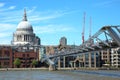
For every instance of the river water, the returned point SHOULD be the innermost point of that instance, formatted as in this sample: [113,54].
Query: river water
[60,75]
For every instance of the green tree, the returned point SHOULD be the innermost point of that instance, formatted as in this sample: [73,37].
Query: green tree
[0,66]
[108,63]
[17,62]
[34,63]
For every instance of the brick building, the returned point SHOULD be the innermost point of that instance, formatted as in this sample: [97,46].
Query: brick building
[24,46]
[6,57]
[8,54]
[26,58]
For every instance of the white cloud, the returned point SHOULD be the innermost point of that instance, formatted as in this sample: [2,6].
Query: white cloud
[16,16]
[48,15]
[6,30]
[3,35]
[11,7]
[7,27]
[53,29]
[6,8]
[5,41]
[2,4]
[31,10]
[42,18]
[105,3]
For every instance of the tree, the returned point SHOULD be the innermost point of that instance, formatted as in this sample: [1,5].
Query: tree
[107,63]
[17,62]
[34,63]
[0,66]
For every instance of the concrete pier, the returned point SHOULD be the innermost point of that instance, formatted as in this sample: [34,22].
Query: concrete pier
[52,68]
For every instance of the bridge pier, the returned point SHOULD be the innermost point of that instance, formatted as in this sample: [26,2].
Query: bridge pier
[84,60]
[59,63]
[90,60]
[52,67]
[63,61]
[95,60]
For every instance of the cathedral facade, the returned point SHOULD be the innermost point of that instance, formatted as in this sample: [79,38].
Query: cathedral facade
[24,46]
[24,33]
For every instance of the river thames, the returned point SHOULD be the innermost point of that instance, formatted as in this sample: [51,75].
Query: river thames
[60,75]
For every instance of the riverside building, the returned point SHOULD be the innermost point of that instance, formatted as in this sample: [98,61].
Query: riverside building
[24,46]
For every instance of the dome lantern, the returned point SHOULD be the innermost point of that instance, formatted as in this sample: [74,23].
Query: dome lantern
[25,16]
[24,25]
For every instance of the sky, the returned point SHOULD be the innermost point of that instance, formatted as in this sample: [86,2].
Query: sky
[53,19]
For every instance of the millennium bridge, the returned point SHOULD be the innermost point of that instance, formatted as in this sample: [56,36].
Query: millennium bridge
[88,53]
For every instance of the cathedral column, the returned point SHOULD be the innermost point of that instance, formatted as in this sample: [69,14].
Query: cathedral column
[22,37]
[15,37]
[25,37]
[28,38]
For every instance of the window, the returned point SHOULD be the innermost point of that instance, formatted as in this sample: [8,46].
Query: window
[23,65]
[7,53]
[27,55]
[6,63]
[0,53]
[23,55]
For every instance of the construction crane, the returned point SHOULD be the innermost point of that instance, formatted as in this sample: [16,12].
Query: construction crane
[83,27]
[90,27]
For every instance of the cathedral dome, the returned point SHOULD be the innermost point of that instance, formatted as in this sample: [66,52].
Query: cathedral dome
[24,25]
[24,33]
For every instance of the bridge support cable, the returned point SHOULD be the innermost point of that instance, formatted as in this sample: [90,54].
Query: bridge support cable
[104,42]
[109,32]
[118,29]
[114,35]
[106,36]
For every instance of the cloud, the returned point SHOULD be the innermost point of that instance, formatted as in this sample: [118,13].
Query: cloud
[6,29]
[2,4]
[3,35]
[34,18]
[11,16]
[7,9]
[52,29]
[104,3]
[31,10]
[11,7]
[48,15]
[5,41]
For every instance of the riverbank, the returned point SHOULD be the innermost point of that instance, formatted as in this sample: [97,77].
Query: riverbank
[43,68]
[22,69]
